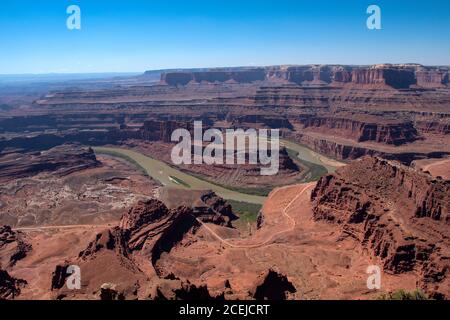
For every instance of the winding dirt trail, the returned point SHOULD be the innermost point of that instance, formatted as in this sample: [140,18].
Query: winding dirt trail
[292,226]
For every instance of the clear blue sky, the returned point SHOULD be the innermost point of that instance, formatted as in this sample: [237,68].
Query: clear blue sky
[138,35]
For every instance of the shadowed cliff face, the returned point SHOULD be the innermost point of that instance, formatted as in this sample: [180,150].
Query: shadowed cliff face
[183,78]
[402,215]
[395,78]
[13,247]
[272,285]
[10,287]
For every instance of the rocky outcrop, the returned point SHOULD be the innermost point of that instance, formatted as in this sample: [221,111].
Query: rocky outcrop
[397,78]
[109,291]
[143,213]
[151,229]
[10,287]
[61,160]
[342,74]
[13,247]
[430,78]
[435,126]
[214,209]
[400,214]
[272,285]
[300,75]
[179,290]
[206,205]
[45,141]
[112,239]
[145,232]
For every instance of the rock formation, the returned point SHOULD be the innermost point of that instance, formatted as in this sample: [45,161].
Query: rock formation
[146,231]
[13,247]
[367,128]
[397,78]
[60,161]
[399,213]
[10,287]
[178,290]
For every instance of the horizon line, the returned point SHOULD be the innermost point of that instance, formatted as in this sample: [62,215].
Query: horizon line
[215,67]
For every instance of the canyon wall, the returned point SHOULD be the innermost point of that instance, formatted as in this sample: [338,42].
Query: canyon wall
[393,77]
[154,130]
[400,214]
[378,130]
[347,152]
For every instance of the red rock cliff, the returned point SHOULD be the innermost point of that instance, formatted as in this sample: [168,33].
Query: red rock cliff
[400,214]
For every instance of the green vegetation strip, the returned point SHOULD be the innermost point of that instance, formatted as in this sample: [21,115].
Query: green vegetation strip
[248,212]
[263,191]
[404,295]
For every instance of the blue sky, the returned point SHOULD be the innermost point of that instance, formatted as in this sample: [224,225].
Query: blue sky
[138,35]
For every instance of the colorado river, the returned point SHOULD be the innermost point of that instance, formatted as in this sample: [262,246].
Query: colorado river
[168,176]
[309,155]
[171,177]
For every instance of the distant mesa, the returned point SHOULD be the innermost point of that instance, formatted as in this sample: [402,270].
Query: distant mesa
[211,76]
[402,76]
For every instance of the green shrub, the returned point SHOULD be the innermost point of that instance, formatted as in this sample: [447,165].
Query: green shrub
[248,212]
[404,295]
